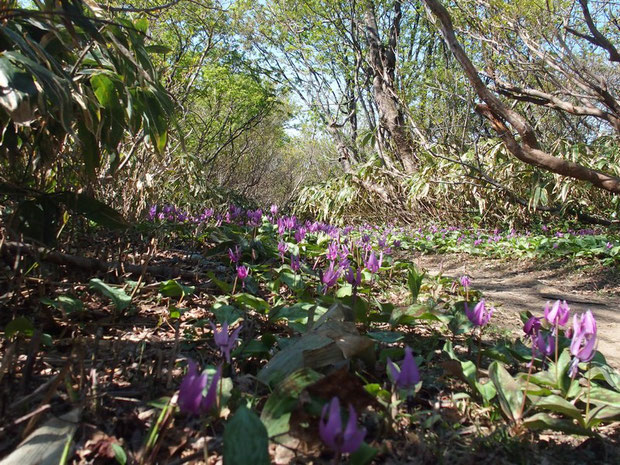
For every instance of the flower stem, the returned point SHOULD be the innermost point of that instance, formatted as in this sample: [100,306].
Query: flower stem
[479,358]
[527,383]
[589,388]
[556,350]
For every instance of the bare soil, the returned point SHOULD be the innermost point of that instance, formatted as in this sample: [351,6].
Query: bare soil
[516,285]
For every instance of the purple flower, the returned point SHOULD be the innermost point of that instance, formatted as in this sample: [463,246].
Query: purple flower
[408,375]
[234,256]
[372,263]
[532,326]
[583,343]
[152,212]
[330,429]
[282,248]
[330,277]
[465,281]
[479,316]
[192,398]
[300,234]
[544,344]
[242,272]
[274,210]
[225,341]
[353,277]
[332,251]
[609,245]
[295,263]
[558,313]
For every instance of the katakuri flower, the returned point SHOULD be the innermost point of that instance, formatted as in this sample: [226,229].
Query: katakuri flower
[192,396]
[557,314]
[532,326]
[354,278]
[544,344]
[479,316]
[242,272]
[235,255]
[373,264]
[282,248]
[295,263]
[330,277]
[225,341]
[465,281]
[408,375]
[331,432]
[583,343]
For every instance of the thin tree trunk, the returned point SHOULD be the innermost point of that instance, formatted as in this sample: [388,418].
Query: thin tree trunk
[383,64]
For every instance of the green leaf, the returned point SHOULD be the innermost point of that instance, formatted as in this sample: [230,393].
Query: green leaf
[387,337]
[558,404]
[257,303]
[119,453]
[245,440]
[414,282]
[508,390]
[65,303]
[118,296]
[544,421]
[363,455]
[172,288]
[277,410]
[20,325]
[93,209]
[158,48]
[599,395]
[227,314]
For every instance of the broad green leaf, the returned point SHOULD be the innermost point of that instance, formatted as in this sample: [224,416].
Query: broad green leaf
[118,296]
[414,282]
[558,404]
[602,396]
[508,390]
[227,314]
[364,455]
[257,303]
[544,421]
[119,453]
[172,288]
[245,440]
[277,410]
[387,337]
[20,325]
[65,303]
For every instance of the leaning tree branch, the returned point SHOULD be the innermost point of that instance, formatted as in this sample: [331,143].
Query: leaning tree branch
[601,40]
[527,148]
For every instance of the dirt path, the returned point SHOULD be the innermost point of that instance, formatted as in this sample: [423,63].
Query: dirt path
[516,286]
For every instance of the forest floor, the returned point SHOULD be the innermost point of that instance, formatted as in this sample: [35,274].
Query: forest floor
[119,367]
[517,285]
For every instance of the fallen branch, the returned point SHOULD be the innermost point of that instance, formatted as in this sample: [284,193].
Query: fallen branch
[93,264]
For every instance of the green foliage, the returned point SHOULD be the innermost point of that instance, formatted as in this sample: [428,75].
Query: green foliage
[79,83]
[245,439]
[118,296]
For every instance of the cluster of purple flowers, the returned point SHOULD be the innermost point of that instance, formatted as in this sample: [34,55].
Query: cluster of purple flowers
[198,394]
[556,316]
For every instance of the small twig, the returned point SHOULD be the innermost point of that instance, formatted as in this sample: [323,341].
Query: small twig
[7,360]
[60,377]
[33,349]
[175,351]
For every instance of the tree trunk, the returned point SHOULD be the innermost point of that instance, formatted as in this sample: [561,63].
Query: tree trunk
[383,67]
